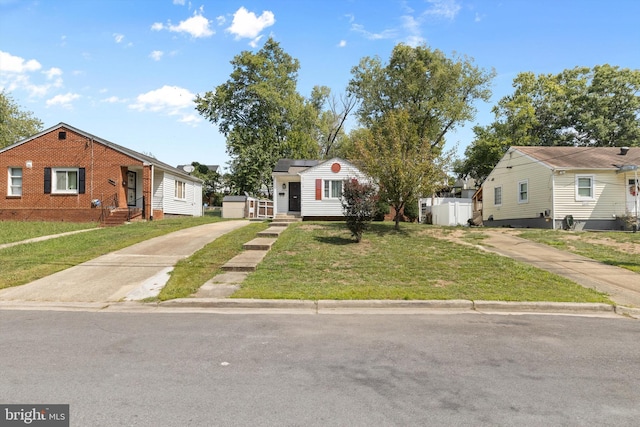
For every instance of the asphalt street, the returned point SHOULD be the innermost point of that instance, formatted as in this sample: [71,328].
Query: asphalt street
[153,369]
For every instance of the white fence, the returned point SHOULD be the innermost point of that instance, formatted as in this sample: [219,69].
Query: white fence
[446,210]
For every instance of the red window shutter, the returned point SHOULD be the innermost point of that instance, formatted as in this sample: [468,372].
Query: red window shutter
[318,189]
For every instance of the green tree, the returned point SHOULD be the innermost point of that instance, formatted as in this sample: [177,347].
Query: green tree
[403,164]
[262,116]
[436,91]
[212,182]
[407,107]
[597,107]
[15,124]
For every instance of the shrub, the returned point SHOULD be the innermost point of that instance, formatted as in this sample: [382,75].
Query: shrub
[382,209]
[411,210]
[358,204]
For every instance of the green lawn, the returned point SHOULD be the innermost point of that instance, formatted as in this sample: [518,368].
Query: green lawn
[322,261]
[15,231]
[24,263]
[613,248]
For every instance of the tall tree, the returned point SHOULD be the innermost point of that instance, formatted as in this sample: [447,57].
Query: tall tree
[261,114]
[407,107]
[403,164]
[436,91]
[597,107]
[15,123]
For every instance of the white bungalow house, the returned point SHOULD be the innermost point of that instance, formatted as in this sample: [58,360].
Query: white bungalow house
[563,187]
[311,188]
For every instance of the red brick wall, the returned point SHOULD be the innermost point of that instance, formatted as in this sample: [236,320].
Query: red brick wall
[102,165]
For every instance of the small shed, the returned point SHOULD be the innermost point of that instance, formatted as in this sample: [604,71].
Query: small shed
[234,206]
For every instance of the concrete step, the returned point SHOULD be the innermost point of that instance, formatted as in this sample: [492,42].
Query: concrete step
[259,244]
[245,261]
[272,232]
[277,223]
[287,219]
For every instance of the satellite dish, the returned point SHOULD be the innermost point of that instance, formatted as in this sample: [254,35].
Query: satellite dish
[188,168]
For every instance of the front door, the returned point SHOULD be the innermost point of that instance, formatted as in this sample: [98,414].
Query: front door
[294,197]
[632,196]
[131,188]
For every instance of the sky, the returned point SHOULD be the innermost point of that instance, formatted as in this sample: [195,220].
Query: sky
[127,70]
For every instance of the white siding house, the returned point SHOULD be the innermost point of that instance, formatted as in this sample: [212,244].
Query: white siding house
[311,188]
[555,187]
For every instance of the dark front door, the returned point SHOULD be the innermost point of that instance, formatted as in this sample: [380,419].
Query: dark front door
[131,188]
[294,197]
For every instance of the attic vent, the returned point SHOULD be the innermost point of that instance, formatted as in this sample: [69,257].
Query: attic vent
[624,151]
[62,135]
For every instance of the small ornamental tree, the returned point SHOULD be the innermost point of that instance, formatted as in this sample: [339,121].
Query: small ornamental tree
[359,202]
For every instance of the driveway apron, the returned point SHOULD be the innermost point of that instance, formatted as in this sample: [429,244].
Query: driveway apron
[622,286]
[113,276]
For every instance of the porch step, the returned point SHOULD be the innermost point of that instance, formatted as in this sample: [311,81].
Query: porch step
[116,217]
[287,218]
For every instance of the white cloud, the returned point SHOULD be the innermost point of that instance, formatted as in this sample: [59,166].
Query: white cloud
[156,55]
[221,20]
[342,43]
[168,100]
[412,26]
[386,34]
[15,64]
[443,8]
[52,73]
[197,26]
[179,2]
[247,25]
[118,37]
[113,100]
[63,100]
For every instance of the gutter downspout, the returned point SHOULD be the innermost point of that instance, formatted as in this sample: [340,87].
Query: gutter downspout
[151,195]
[553,199]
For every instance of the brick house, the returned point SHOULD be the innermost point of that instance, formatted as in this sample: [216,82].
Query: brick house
[66,174]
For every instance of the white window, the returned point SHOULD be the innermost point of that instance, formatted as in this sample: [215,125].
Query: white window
[180,190]
[332,189]
[523,191]
[497,196]
[584,187]
[15,182]
[65,181]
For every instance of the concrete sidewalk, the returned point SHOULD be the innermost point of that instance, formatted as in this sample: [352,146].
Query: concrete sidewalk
[135,271]
[622,286]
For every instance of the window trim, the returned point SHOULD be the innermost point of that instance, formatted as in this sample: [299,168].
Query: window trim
[328,188]
[54,181]
[183,186]
[10,182]
[499,187]
[520,198]
[592,187]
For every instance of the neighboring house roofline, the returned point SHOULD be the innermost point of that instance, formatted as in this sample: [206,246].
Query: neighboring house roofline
[146,160]
[580,158]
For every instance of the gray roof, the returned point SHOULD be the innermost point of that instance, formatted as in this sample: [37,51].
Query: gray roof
[284,165]
[582,157]
[234,198]
[131,153]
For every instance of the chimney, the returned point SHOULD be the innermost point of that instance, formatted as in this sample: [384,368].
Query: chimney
[624,151]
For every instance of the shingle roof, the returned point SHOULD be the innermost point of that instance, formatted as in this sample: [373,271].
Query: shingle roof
[284,165]
[582,157]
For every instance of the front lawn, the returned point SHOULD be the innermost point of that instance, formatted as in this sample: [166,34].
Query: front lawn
[15,231]
[321,261]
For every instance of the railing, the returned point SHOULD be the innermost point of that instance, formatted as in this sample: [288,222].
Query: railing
[132,209]
[106,206]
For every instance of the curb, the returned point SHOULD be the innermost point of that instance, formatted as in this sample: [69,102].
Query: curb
[262,306]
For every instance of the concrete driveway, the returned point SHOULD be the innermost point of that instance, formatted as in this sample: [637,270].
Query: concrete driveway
[130,273]
[623,286]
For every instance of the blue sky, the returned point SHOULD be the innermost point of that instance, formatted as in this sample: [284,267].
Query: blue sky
[127,70]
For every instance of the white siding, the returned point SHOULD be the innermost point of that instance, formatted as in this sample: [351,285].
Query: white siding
[511,170]
[158,190]
[609,197]
[280,195]
[192,202]
[325,207]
